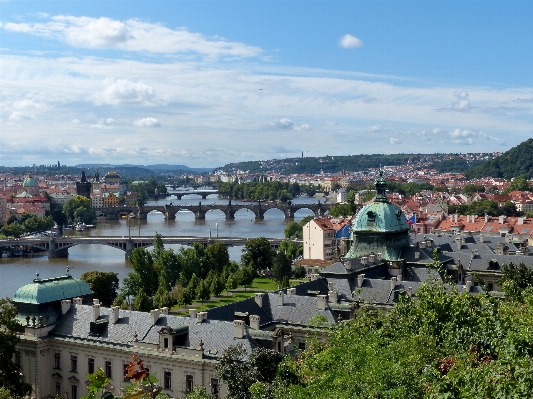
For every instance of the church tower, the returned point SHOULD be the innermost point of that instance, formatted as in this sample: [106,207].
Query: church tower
[83,187]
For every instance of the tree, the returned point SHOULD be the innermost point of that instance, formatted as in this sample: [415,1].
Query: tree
[293,230]
[10,378]
[240,373]
[515,279]
[445,343]
[104,285]
[217,285]
[231,283]
[257,253]
[519,184]
[342,210]
[291,249]
[299,272]
[203,292]
[218,255]
[142,302]
[143,265]
[282,267]
[13,230]
[246,276]
[78,209]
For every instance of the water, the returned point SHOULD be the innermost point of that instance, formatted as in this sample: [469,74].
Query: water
[16,272]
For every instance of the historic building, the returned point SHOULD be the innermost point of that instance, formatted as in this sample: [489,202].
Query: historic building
[83,187]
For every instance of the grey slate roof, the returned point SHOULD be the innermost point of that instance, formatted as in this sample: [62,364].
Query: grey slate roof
[215,335]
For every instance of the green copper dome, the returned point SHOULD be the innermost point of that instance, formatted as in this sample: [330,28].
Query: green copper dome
[52,289]
[30,182]
[380,215]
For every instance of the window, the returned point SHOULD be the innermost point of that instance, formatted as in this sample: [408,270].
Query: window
[58,388]
[108,369]
[189,383]
[18,358]
[301,346]
[57,360]
[147,371]
[279,346]
[90,366]
[214,387]
[167,380]
[73,363]
[74,392]
[165,343]
[124,366]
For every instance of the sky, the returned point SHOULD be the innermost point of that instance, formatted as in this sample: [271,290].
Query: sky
[206,83]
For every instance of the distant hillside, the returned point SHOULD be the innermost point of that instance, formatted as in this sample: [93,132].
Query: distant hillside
[518,161]
[351,163]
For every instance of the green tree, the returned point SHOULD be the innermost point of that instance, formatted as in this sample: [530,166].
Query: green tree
[515,279]
[203,292]
[240,372]
[78,209]
[231,283]
[282,267]
[218,255]
[257,253]
[519,184]
[143,265]
[217,285]
[10,378]
[142,302]
[104,285]
[13,230]
[291,249]
[293,230]
[299,272]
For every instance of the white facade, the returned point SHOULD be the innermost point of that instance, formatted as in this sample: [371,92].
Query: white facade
[319,239]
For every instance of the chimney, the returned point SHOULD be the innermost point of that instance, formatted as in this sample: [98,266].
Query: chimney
[481,238]
[393,283]
[459,244]
[280,298]
[238,329]
[417,255]
[254,321]
[468,285]
[410,291]
[360,280]
[96,302]
[65,306]
[520,221]
[291,291]
[372,258]
[201,316]
[422,244]
[456,216]
[113,318]
[399,278]
[501,219]
[259,300]
[192,313]
[78,301]
[364,260]
[487,218]
[314,276]
[96,311]
[154,315]
[164,311]
[379,256]
[330,285]
[321,302]
[332,296]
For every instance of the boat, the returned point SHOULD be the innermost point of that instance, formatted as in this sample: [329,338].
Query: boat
[80,227]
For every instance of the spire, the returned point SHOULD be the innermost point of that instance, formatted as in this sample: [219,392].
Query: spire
[381,188]
[83,178]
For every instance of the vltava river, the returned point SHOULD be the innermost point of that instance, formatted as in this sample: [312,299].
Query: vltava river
[16,272]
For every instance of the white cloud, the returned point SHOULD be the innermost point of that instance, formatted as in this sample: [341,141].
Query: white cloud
[372,129]
[394,141]
[123,91]
[349,41]
[76,121]
[458,133]
[19,116]
[305,126]
[147,122]
[131,35]
[109,120]
[283,123]
[103,123]
[461,103]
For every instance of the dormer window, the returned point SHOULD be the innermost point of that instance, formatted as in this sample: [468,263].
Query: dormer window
[371,218]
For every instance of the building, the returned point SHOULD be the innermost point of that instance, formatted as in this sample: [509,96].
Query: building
[112,179]
[319,239]
[83,187]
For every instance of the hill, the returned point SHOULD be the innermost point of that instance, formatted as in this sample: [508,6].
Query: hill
[518,161]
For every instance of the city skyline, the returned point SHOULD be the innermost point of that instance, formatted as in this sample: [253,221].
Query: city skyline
[208,83]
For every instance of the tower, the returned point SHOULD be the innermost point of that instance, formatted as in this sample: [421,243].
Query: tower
[83,187]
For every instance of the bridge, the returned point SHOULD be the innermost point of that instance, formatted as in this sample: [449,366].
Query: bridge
[199,211]
[180,193]
[57,247]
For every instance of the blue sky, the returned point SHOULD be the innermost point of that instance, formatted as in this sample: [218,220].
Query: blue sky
[205,83]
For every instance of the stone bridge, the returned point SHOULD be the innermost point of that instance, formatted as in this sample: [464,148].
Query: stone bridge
[202,193]
[57,247]
[200,210]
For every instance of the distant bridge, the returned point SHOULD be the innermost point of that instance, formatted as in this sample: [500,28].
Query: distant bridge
[180,193]
[57,247]
[199,211]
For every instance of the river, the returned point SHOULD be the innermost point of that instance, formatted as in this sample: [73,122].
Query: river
[16,272]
